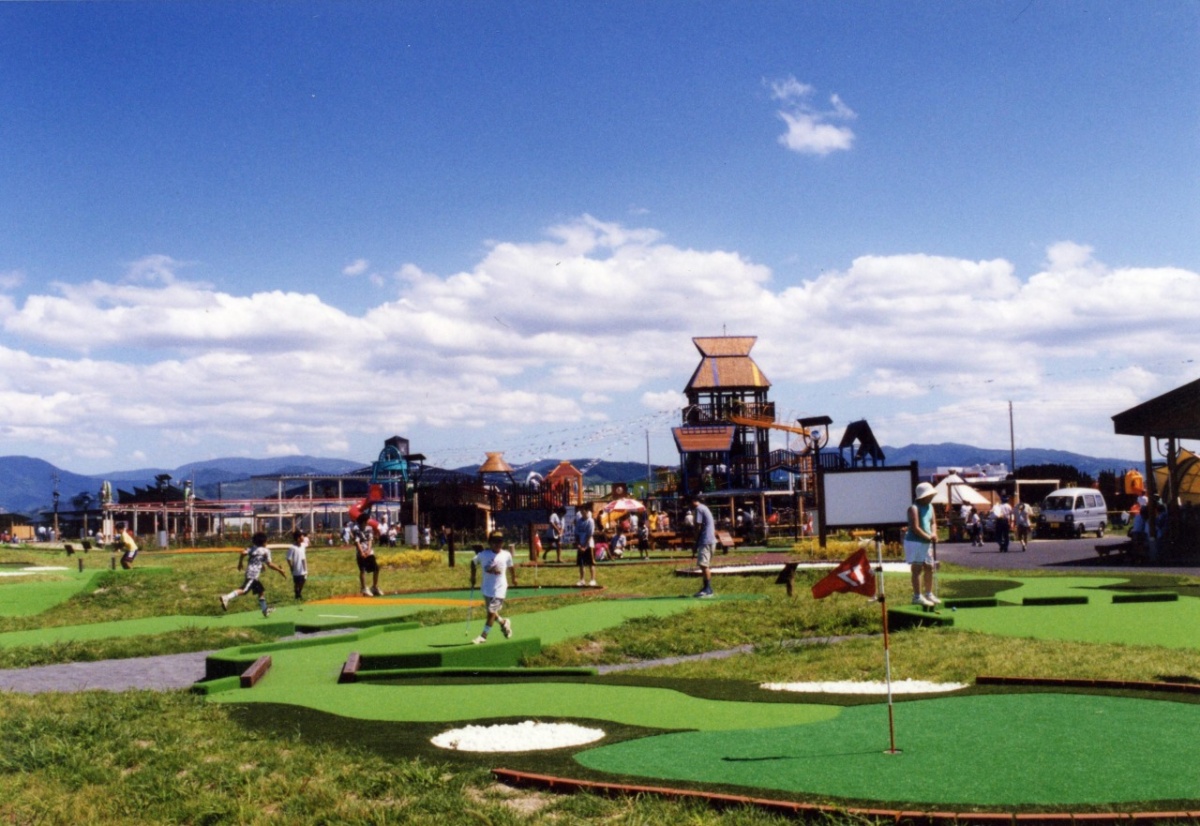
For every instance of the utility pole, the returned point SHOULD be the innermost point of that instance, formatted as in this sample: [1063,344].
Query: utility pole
[54,476]
[1012,444]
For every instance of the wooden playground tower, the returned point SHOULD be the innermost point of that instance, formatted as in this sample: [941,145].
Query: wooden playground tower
[724,440]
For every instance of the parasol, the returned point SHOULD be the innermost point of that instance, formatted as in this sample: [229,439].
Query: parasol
[623,505]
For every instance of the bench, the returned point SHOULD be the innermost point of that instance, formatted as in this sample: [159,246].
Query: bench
[87,546]
[727,542]
[69,548]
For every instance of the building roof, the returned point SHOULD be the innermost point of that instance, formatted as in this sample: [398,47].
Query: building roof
[495,464]
[703,438]
[562,470]
[1175,413]
[726,364]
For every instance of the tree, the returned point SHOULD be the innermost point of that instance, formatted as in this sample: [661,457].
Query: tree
[1069,476]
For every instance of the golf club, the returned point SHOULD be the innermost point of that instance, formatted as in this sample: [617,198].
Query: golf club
[470,602]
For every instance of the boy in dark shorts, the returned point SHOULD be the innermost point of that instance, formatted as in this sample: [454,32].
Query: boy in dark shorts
[254,558]
[497,563]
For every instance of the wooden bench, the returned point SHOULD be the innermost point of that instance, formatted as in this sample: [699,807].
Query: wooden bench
[727,542]
[256,671]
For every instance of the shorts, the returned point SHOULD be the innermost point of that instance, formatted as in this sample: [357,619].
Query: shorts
[917,552]
[585,556]
[253,586]
[704,555]
[493,604]
[367,564]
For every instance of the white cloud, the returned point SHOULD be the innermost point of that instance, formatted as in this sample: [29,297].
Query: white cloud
[11,280]
[811,130]
[586,328]
[356,267]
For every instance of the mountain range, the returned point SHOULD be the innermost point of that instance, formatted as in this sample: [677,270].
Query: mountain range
[27,484]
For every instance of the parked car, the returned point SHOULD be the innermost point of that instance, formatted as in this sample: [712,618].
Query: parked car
[1073,512]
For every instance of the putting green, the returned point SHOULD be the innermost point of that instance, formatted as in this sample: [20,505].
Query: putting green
[23,597]
[1168,624]
[991,750]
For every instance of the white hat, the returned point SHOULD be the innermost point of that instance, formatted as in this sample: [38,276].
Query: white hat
[925,491]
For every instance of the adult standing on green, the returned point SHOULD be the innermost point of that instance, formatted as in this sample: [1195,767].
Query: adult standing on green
[706,543]
[920,545]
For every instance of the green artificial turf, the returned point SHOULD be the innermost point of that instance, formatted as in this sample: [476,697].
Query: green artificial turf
[25,597]
[990,750]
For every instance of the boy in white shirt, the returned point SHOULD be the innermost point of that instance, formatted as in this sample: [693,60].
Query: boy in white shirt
[497,564]
[297,559]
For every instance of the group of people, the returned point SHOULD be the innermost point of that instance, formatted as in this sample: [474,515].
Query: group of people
[257,557]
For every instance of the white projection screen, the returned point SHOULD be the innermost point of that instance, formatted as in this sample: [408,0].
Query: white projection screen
[866,497]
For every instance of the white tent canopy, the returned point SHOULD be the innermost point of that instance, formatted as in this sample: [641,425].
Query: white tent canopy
[954,491]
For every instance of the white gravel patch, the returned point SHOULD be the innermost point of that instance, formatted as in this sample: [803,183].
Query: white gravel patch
[856,687]
[512,737]
[36,569]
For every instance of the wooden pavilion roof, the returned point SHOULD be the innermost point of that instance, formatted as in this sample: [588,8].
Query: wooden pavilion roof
[1175,413]
[703,438]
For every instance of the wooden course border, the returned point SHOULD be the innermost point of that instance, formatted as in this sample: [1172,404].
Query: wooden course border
[806,811]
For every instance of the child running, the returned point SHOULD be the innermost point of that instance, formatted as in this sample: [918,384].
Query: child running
[297,559]
[255,558]
[495,561]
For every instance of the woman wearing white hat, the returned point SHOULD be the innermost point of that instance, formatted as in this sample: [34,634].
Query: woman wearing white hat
[920,545]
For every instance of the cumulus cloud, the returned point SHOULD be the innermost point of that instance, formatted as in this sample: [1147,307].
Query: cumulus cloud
[588,327]
[811,129]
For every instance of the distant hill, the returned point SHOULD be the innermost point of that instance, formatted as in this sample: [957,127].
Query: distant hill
[27,486]
[949,454]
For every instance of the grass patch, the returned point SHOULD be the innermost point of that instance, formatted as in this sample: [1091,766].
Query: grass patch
[119,648]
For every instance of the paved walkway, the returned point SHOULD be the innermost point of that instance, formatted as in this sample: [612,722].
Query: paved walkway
[1066,555]
[162,673]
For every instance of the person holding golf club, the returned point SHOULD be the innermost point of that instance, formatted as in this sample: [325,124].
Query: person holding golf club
[498,566]
[920,545]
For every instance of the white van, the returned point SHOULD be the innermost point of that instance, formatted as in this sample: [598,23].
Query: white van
[1073,512]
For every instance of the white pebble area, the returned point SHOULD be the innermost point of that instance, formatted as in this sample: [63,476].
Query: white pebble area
[857,687]
[529,735]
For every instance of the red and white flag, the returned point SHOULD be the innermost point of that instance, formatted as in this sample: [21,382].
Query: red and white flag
[854,576]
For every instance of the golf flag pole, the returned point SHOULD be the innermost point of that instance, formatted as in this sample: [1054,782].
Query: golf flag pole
[887,650]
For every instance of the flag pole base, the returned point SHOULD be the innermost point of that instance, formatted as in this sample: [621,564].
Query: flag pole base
[893,751]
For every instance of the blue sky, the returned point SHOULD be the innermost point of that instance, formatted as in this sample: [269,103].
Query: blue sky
[270,228]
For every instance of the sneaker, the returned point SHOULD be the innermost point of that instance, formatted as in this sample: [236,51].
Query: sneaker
[375,592]
[704,593]
[933,600]
[919,599]
[580,584]
[506,627]
[268,611]
[367,592]
[593,584]
[479,640]
[224,602]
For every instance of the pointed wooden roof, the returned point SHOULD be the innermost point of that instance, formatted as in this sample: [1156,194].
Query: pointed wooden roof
[495,464]
[726,364]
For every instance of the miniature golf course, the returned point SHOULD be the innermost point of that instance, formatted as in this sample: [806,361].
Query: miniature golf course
[999,748]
